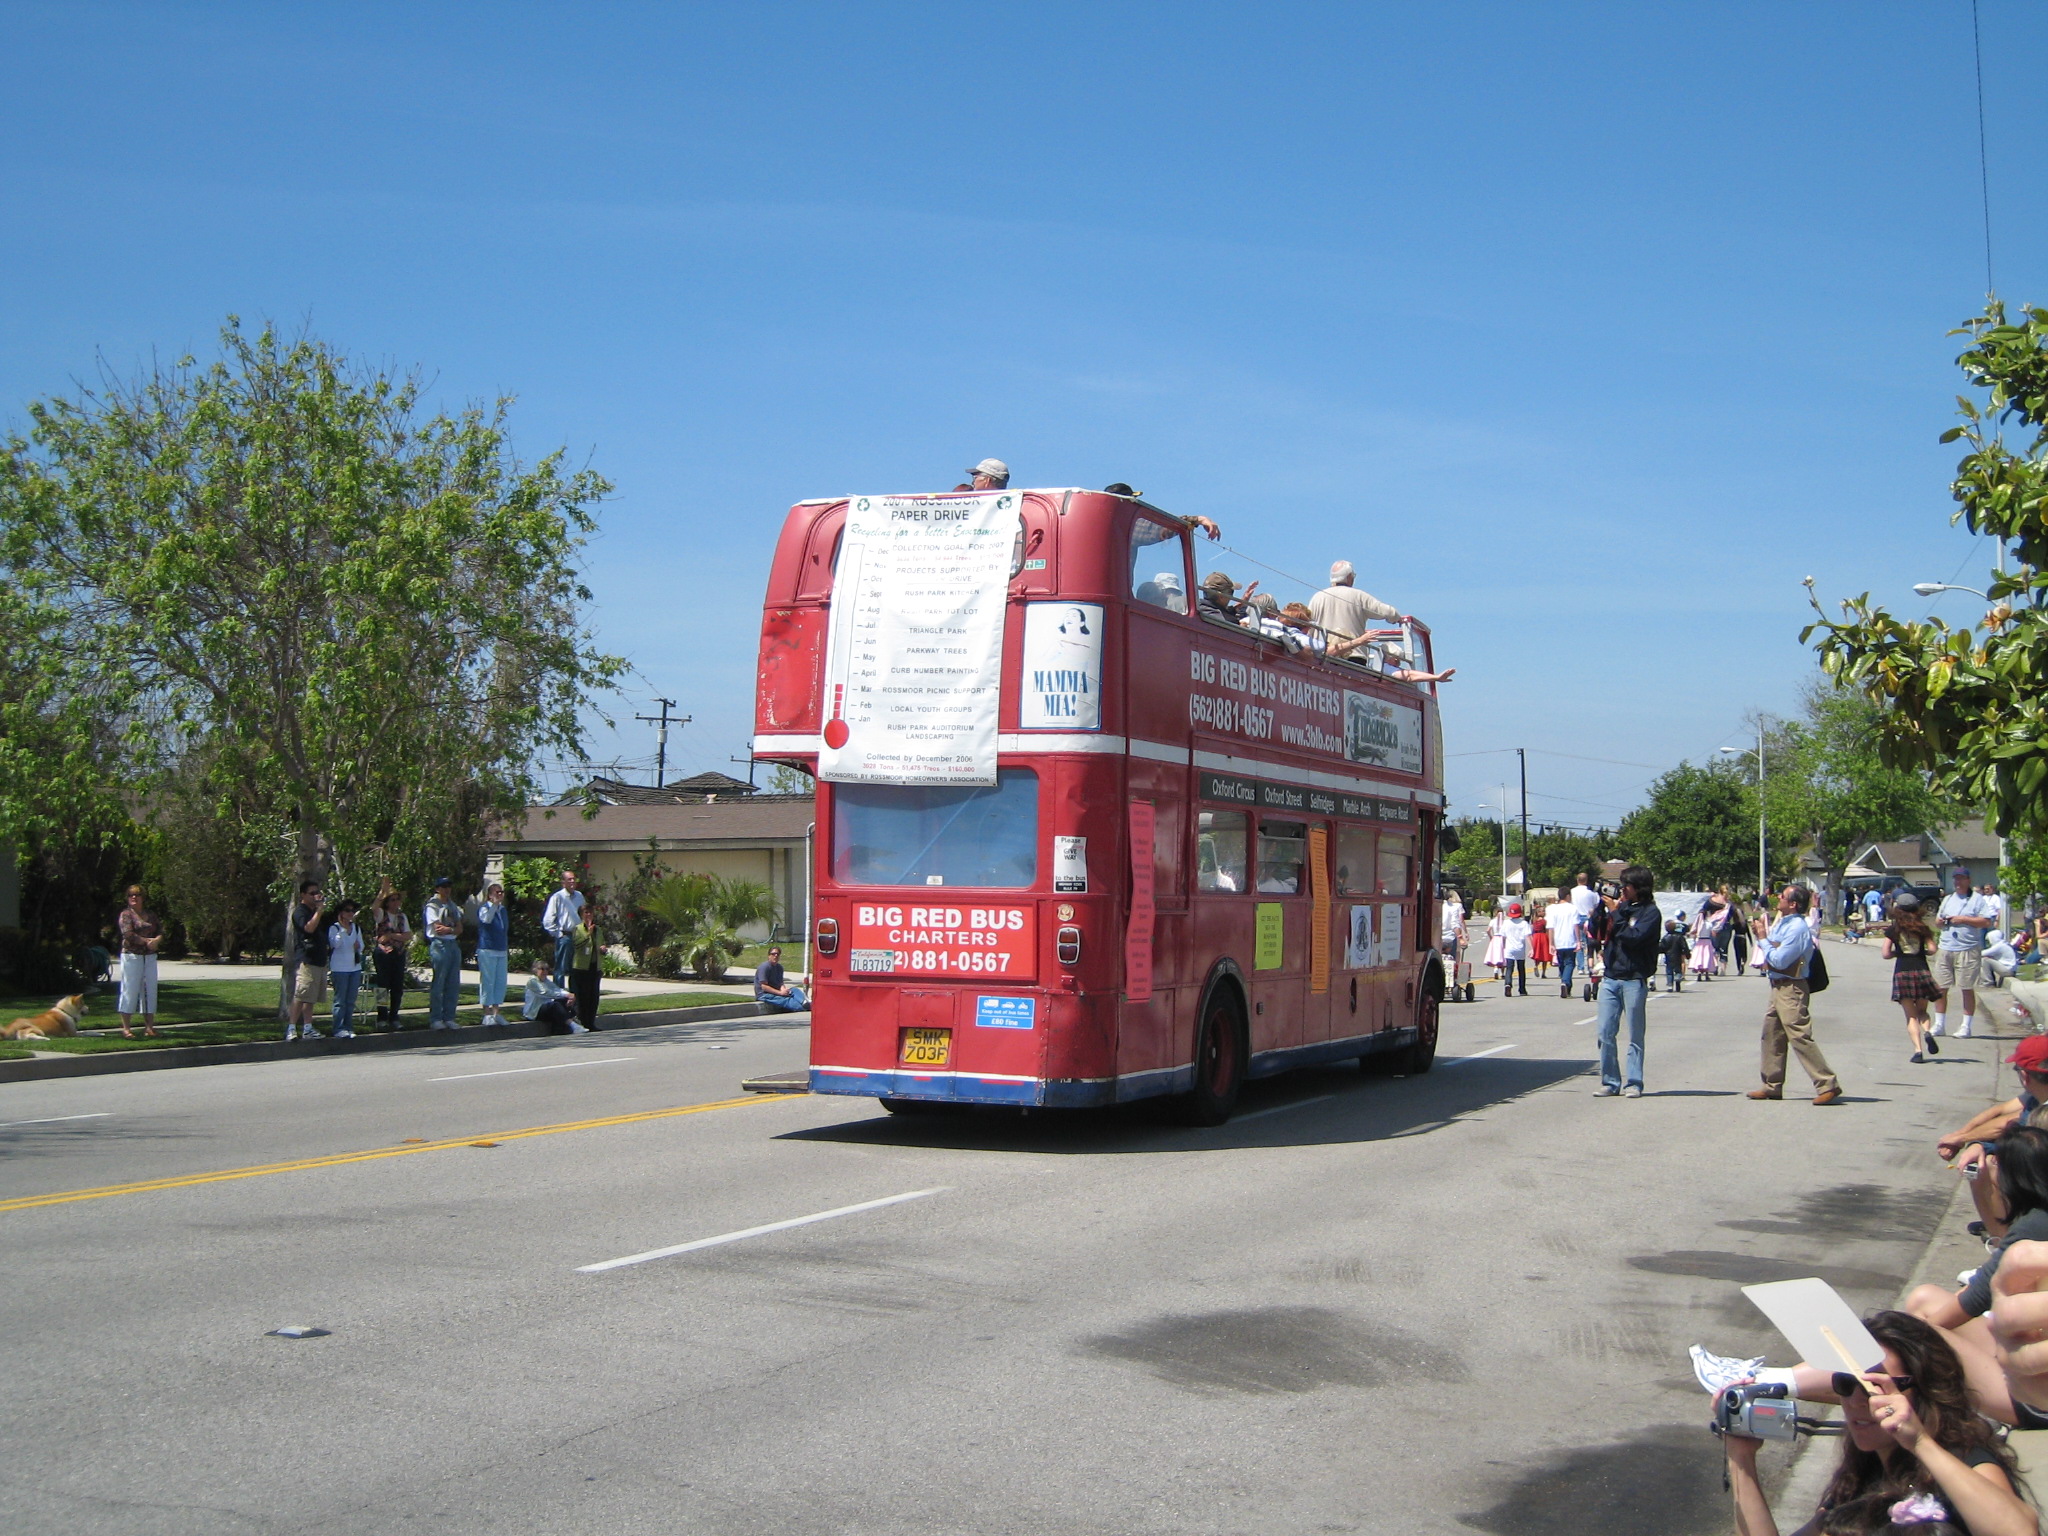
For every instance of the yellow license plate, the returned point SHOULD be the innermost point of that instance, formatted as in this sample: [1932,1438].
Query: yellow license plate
[926,1047]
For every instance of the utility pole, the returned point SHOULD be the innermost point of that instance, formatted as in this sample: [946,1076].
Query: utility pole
[1504,848]
[661,723]
[1523,754]
[749,761]
[1761,868]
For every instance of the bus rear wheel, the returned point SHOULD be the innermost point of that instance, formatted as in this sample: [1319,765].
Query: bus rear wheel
[1219,1065]
[1421,1056]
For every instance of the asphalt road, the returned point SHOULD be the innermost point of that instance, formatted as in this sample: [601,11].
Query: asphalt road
[1444,1303]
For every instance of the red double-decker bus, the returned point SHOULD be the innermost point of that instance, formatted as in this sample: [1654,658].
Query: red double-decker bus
[1077,844]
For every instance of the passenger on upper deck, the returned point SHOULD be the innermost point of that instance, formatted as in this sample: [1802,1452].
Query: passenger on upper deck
[1343,611]
[1163,591]
[1304,629]
[1218,598]
[1264,619]
[989,475]
[1194,519]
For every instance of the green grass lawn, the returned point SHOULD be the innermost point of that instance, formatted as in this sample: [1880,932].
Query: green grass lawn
[231,1012]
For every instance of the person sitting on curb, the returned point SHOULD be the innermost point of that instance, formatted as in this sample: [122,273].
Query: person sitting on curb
[770,992]
[549,1001]
[1965,1147]
[1914,1451]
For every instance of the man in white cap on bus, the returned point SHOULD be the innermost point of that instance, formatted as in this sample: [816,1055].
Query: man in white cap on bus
[989,475]
[1343,611]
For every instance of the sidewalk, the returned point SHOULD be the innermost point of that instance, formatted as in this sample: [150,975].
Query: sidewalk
[617,986]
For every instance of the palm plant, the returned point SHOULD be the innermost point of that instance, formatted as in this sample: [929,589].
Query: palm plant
[703,915]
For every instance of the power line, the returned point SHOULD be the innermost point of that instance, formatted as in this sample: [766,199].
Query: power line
[1983,154]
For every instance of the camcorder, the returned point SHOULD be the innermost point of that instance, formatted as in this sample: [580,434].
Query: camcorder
[1611,889]
[1759,1410]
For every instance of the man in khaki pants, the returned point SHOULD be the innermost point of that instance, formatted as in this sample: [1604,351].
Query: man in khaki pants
[1788,949]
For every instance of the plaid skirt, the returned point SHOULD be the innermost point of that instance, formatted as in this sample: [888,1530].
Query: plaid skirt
[1913,984]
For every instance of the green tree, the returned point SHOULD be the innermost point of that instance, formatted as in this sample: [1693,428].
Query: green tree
[1557,855]
[365,615]
[1971,712]
[1697,830]
[1475,867]
[702,915]
[1831,789]
[788,779]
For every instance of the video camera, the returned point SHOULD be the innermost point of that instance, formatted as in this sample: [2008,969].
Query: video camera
[1611,889]
[1761,1411]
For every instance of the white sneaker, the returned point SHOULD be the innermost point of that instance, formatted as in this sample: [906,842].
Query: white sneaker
[1963,1030]
[290,1034]
[1631,1093]
[1717,1373]
[1939,1026]
[344,1034]
[577,1029]
[1964,1277]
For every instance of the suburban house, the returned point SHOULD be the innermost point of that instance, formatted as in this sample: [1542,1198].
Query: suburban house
[711,824]
[1928,858]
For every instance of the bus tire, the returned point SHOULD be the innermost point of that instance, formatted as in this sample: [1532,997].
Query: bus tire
[1219,1063]
[1421,1056]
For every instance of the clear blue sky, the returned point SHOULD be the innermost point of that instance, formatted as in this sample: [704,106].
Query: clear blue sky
[1584,330]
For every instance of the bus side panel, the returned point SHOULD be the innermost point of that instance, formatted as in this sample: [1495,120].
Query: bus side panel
[1145,1044]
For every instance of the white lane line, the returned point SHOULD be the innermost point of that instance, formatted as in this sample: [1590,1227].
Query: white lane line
[53,1119]
[602,1061]
[1281,1109]
[1576,1023]
[773,1226]
[1459,1061]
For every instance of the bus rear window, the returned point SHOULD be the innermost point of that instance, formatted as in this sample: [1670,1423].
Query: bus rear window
[937,835]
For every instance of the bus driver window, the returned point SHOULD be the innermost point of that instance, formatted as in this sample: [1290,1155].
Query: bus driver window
[1219,851]
[1158,563]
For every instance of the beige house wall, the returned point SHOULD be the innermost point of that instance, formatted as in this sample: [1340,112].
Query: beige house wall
[611,870]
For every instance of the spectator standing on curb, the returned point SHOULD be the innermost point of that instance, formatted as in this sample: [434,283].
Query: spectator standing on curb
[493,953]
[771,991]
[345,968]
[564,914]
[1564,922]
[309,984]
[1788,955]
[394,943]
[443,925]
[546,1001]
[1627,928]
[1963,920]
[586,962]
[141,936]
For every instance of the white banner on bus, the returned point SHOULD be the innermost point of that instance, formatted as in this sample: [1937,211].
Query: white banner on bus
[914,649]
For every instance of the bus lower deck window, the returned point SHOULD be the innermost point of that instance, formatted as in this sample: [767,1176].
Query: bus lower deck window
[1220,851]
[1355,868]
[921,834]
[1283,850]
[1397,855]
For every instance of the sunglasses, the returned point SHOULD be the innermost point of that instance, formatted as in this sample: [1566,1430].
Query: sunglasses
[1846,1385]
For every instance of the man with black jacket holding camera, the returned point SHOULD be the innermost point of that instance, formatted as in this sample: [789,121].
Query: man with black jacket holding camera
[1626,925]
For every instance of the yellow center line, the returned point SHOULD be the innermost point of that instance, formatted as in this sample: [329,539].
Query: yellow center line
[181,1181]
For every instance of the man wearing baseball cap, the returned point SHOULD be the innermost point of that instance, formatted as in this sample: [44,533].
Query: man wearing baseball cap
[989,475]
[443,928]
[1966,1145]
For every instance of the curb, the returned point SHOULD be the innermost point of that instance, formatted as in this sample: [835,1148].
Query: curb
[412,1039]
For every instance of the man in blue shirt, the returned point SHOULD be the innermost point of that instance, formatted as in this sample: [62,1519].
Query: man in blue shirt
[1788,952]
[769,989]
[1963,919]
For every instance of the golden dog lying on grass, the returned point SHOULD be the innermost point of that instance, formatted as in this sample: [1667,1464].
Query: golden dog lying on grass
[61,1018]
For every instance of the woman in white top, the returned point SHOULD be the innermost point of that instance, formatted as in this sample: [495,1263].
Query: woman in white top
[345,968]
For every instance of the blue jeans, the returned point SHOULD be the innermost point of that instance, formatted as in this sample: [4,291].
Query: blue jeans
[1614,997]
[793,1003]
[490,976]
[346,984]
[1567,962]
[565,949]
[446,955]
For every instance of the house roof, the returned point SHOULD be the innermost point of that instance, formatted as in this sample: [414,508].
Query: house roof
[1967,841]
[695,788]
[753,822]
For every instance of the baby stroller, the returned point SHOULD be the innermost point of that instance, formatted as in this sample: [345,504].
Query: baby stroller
[1595,969]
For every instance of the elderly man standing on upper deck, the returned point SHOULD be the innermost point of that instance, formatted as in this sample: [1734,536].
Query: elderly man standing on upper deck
[1343,612]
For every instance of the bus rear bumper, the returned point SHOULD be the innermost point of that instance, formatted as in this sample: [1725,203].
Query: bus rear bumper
[976,1088]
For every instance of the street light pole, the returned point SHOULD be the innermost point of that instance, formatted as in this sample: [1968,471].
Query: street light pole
[1762,866]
